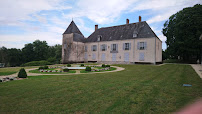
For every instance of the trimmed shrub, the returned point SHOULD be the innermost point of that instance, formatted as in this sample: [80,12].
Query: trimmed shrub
[37,63]
[69,65]
[82,65]
[41,67]
[45,67]
[107,66]
[88,68]
[65,70]
[103,65]
[22,73]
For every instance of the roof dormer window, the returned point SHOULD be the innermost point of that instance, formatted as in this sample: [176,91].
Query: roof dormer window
[99,38]
[135,34]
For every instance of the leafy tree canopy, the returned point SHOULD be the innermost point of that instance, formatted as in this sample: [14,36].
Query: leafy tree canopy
[183,30]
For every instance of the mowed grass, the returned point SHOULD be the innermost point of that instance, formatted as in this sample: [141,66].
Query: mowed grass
[11,70]
[137,89]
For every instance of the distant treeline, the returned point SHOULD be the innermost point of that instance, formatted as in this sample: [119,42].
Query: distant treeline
[36,51]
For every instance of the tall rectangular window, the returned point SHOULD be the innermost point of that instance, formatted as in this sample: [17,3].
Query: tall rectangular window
[142,45]
[114,48]
[94,47]
[103,47]
[86,48]
[126,46]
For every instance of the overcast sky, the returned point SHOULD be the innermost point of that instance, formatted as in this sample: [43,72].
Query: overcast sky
[24,21]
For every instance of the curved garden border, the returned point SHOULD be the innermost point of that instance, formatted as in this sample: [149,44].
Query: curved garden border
[38,74]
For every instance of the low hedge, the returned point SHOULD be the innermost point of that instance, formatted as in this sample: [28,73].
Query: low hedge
[37,63]
[82,65]
[65,70]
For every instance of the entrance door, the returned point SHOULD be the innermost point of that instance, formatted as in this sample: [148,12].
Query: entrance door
[126,57]
[103,58]
[113,56]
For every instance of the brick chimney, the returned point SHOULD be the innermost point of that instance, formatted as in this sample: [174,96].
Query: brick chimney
[96,27]
[127,21]
[140,18]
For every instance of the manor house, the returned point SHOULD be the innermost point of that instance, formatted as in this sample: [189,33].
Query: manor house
[124,44]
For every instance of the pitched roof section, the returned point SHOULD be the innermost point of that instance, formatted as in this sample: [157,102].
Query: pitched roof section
[72,28]
[122,32]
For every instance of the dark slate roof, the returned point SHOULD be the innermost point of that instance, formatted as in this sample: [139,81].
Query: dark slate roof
[72,28]
[78,38]
[122,32]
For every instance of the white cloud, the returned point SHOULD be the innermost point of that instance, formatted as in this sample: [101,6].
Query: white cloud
[163,9]
[18,41]
[14,11]
[101,11]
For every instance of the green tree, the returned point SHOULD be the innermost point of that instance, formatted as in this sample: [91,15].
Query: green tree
[15,57]
[40,50]
[28,53]
[182,31]
[4,55]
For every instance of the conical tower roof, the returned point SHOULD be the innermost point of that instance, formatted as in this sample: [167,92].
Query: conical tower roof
[72,28]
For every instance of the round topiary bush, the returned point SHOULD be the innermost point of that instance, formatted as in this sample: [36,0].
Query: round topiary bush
[107,66]
[41,67]
[69,65]
[82,65]
[22,73]
[103,65]
[88,68]
[45,67]
[65,70]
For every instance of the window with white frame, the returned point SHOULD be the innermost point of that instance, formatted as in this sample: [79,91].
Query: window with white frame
[135,34]
[99,38]
[126,46]
[114,47]
[142,45]
[103,47]
[94,47]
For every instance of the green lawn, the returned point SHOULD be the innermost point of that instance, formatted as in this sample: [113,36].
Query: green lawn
[11,70]
[137,89]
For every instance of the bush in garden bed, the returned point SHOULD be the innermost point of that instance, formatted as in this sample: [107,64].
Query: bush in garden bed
[88,68]
[65,70]
[103,65]
[107,66]
[40,68]
[82,65]
[69,65]
[45,67]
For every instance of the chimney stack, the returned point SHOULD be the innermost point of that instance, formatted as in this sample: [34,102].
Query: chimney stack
[140,18]
[96,27]
[127,21]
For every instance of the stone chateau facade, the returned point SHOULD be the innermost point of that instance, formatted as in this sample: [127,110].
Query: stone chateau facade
[123,44]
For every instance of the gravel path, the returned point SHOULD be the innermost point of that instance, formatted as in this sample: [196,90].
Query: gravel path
[77,72]
[198,69]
